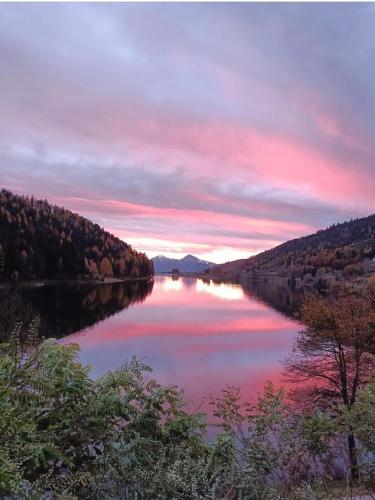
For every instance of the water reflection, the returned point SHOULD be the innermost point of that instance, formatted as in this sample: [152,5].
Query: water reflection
[197,334]
[64,310]
[276,294]
[174,284]
[222,290]
[193,336]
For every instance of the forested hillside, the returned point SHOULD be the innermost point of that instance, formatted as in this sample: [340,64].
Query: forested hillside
[341,252]
[42,241]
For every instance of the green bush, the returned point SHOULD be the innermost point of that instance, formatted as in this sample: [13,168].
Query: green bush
[121,435]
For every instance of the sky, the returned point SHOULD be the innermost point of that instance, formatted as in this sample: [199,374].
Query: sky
[219,130]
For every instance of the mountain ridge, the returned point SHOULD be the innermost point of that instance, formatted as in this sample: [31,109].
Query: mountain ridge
[187,264]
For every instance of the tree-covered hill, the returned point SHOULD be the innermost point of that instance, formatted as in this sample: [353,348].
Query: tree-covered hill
[43,241]
[343,251]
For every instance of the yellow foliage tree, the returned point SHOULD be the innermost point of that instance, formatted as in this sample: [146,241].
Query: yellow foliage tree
[106,268]
[121,265]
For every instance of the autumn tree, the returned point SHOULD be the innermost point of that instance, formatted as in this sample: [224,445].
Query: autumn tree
[106,268]
[334,356]
[60,266]
[2,260]
[121,266]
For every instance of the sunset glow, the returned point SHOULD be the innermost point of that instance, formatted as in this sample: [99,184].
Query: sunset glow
[220,290]
[147,120]
[172,285]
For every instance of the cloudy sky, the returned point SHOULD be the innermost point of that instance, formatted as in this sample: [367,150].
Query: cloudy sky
[214,129]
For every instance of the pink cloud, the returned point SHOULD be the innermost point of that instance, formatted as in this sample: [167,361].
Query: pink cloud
[116,207]
[281,160]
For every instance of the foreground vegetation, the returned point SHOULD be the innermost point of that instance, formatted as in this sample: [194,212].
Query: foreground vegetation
[43,241]
[63,435]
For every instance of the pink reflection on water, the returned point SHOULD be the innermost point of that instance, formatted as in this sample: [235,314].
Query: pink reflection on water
[198,336]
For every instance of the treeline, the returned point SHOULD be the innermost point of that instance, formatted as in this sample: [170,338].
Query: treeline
[337,247]
[43,241]
[63,435]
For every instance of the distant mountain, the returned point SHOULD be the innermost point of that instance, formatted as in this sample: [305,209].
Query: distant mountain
[342,252]
[42,241]
[188,264]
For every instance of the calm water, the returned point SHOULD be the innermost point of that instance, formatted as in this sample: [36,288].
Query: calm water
[198,335]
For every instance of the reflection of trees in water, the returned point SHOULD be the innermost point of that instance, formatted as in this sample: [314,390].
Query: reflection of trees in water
[189,282]
[64,310]
[334,357]
[14,309]
[276,294]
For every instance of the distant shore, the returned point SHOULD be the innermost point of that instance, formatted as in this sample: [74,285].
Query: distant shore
[185,275]
[71,282]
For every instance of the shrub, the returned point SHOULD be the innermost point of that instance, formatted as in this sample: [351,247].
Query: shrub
[121,435]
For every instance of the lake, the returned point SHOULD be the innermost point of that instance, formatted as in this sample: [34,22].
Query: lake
[196,334]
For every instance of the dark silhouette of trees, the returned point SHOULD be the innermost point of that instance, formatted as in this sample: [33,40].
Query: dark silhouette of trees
[42,241]
[66,309]
[2,260]
[334,356]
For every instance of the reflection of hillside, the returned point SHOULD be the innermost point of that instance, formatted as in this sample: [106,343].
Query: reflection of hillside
[68,309]
[276,294]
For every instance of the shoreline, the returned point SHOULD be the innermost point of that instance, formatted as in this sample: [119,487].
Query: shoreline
[70,282]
